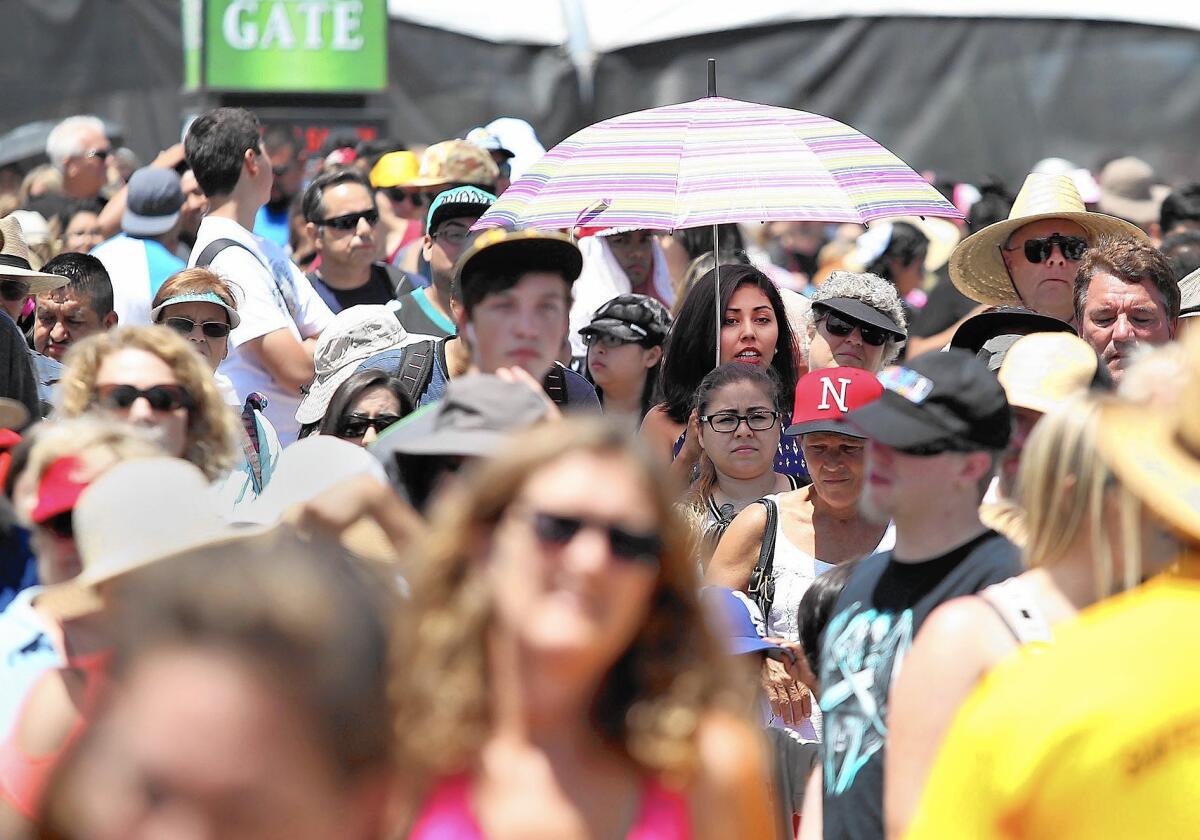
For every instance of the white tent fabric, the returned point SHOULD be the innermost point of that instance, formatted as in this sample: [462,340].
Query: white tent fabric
[600,26]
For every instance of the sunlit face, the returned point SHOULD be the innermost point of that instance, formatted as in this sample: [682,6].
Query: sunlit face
[143,370]
[523,326]
[355,248]
[375,409]
[743,453]
[213,349]
[827,349]
[1120,317]
[1045,287]
[288,172]
[750,331]
[87,172]
[83,233]
[835,463]
[574,604]
[64,318]
[200,744]
[634,252]
[897,483]
[620,366]
[445,245]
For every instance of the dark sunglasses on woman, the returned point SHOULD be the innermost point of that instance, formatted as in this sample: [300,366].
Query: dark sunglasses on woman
[160,397]
[211,329]
[559,529]
[1037,250]
[398,194]
[842,327]
[356,425]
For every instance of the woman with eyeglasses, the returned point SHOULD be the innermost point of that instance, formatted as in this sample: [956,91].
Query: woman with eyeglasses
[363,406]
[856,320]
[754,331]
[555,676]
[151,378]
[624,350]
[740,414]
[816,527]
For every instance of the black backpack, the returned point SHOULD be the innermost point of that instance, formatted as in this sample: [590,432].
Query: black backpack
[415,370]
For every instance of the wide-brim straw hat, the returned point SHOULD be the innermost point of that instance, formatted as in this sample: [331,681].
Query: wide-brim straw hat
[977,267]
[1156,454]
[14,260]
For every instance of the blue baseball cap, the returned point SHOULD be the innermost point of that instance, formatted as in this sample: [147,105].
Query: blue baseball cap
[732,621]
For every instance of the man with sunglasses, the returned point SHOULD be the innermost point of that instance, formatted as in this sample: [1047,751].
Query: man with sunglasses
[1030,258]
[934,435]
[427,310]
[281,313]
[79,148]
[343,222]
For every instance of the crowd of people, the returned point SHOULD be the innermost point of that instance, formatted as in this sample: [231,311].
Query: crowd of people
[327,513]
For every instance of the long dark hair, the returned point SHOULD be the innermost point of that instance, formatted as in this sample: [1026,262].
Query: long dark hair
[649,386]
[347,395]
[688,353]
[907,243]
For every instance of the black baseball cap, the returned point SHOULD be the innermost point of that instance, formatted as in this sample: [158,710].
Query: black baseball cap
[938,402]
[631,317]
[863,313]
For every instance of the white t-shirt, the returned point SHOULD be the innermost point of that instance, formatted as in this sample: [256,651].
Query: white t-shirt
[268,300]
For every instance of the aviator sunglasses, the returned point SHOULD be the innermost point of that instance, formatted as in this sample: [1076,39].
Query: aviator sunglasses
[1037,250]
[841,327]
[160,397]
[558,530]
[211,329]
[350,220]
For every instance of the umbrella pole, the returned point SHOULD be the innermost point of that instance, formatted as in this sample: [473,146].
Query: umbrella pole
[717,294]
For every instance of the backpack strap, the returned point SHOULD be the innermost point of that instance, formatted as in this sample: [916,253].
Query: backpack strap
[416,368]
[398,281]
[217,246]
[1015,606]
[555,384]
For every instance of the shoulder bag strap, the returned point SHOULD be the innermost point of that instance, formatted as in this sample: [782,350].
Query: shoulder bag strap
[762,579]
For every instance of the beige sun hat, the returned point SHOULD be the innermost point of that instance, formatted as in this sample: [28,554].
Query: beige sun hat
[1189,294]
[1156,454]
[976,266]
[14,260]
[1043,370]
[135,514]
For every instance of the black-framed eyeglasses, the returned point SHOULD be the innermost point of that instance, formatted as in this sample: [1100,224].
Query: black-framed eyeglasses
[842,327]
[350,220]
[455,235]
[13,290]
[727,422]
[61,525]
[398,194]
[558,529]
[1038,250]
[211,329]
[356,425]
[159,397]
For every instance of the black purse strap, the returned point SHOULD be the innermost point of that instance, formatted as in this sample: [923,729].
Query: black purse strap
[762,582]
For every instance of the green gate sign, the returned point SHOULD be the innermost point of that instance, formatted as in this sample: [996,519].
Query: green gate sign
[301,46]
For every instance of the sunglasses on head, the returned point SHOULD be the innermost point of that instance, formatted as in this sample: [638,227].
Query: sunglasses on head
[842,327]
[356,425]
[160,397]
[350,220]
[418,199]
[13,290]
[211,329]
[1037,250]
[558,530]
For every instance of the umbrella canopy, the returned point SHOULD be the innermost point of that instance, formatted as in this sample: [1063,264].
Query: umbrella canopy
[714,161]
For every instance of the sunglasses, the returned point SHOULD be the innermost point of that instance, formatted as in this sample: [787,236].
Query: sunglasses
[627,546]
[606,340]
[1037,250]
[13,290]
[61,525]
[842,327]
[350,220]
[355,426]
[211,329]
[398,194]
[98,153]
[160,397]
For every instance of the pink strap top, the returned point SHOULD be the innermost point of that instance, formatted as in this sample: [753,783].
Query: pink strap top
[663,814]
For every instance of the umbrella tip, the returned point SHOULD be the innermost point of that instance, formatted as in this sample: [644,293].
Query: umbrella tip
[712,77]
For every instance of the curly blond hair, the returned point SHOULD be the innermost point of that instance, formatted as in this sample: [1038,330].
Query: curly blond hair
[212,426]
[652,700]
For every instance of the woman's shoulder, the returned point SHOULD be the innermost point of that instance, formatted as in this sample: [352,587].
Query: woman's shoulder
[729,794]
[659,427]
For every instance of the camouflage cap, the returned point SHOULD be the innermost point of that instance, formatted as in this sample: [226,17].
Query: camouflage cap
[456,162]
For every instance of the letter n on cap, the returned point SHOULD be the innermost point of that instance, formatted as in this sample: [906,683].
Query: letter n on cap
[828,389]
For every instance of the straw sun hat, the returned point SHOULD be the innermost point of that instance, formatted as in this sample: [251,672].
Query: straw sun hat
[14,260]
[977,267]
[1156,454]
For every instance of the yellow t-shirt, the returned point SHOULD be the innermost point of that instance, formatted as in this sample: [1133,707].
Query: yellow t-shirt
[1096,736]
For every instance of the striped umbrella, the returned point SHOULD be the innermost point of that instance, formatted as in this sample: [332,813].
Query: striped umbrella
[713,161]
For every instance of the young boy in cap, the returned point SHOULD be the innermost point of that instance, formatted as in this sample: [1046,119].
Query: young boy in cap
[512,293]
[934,436]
